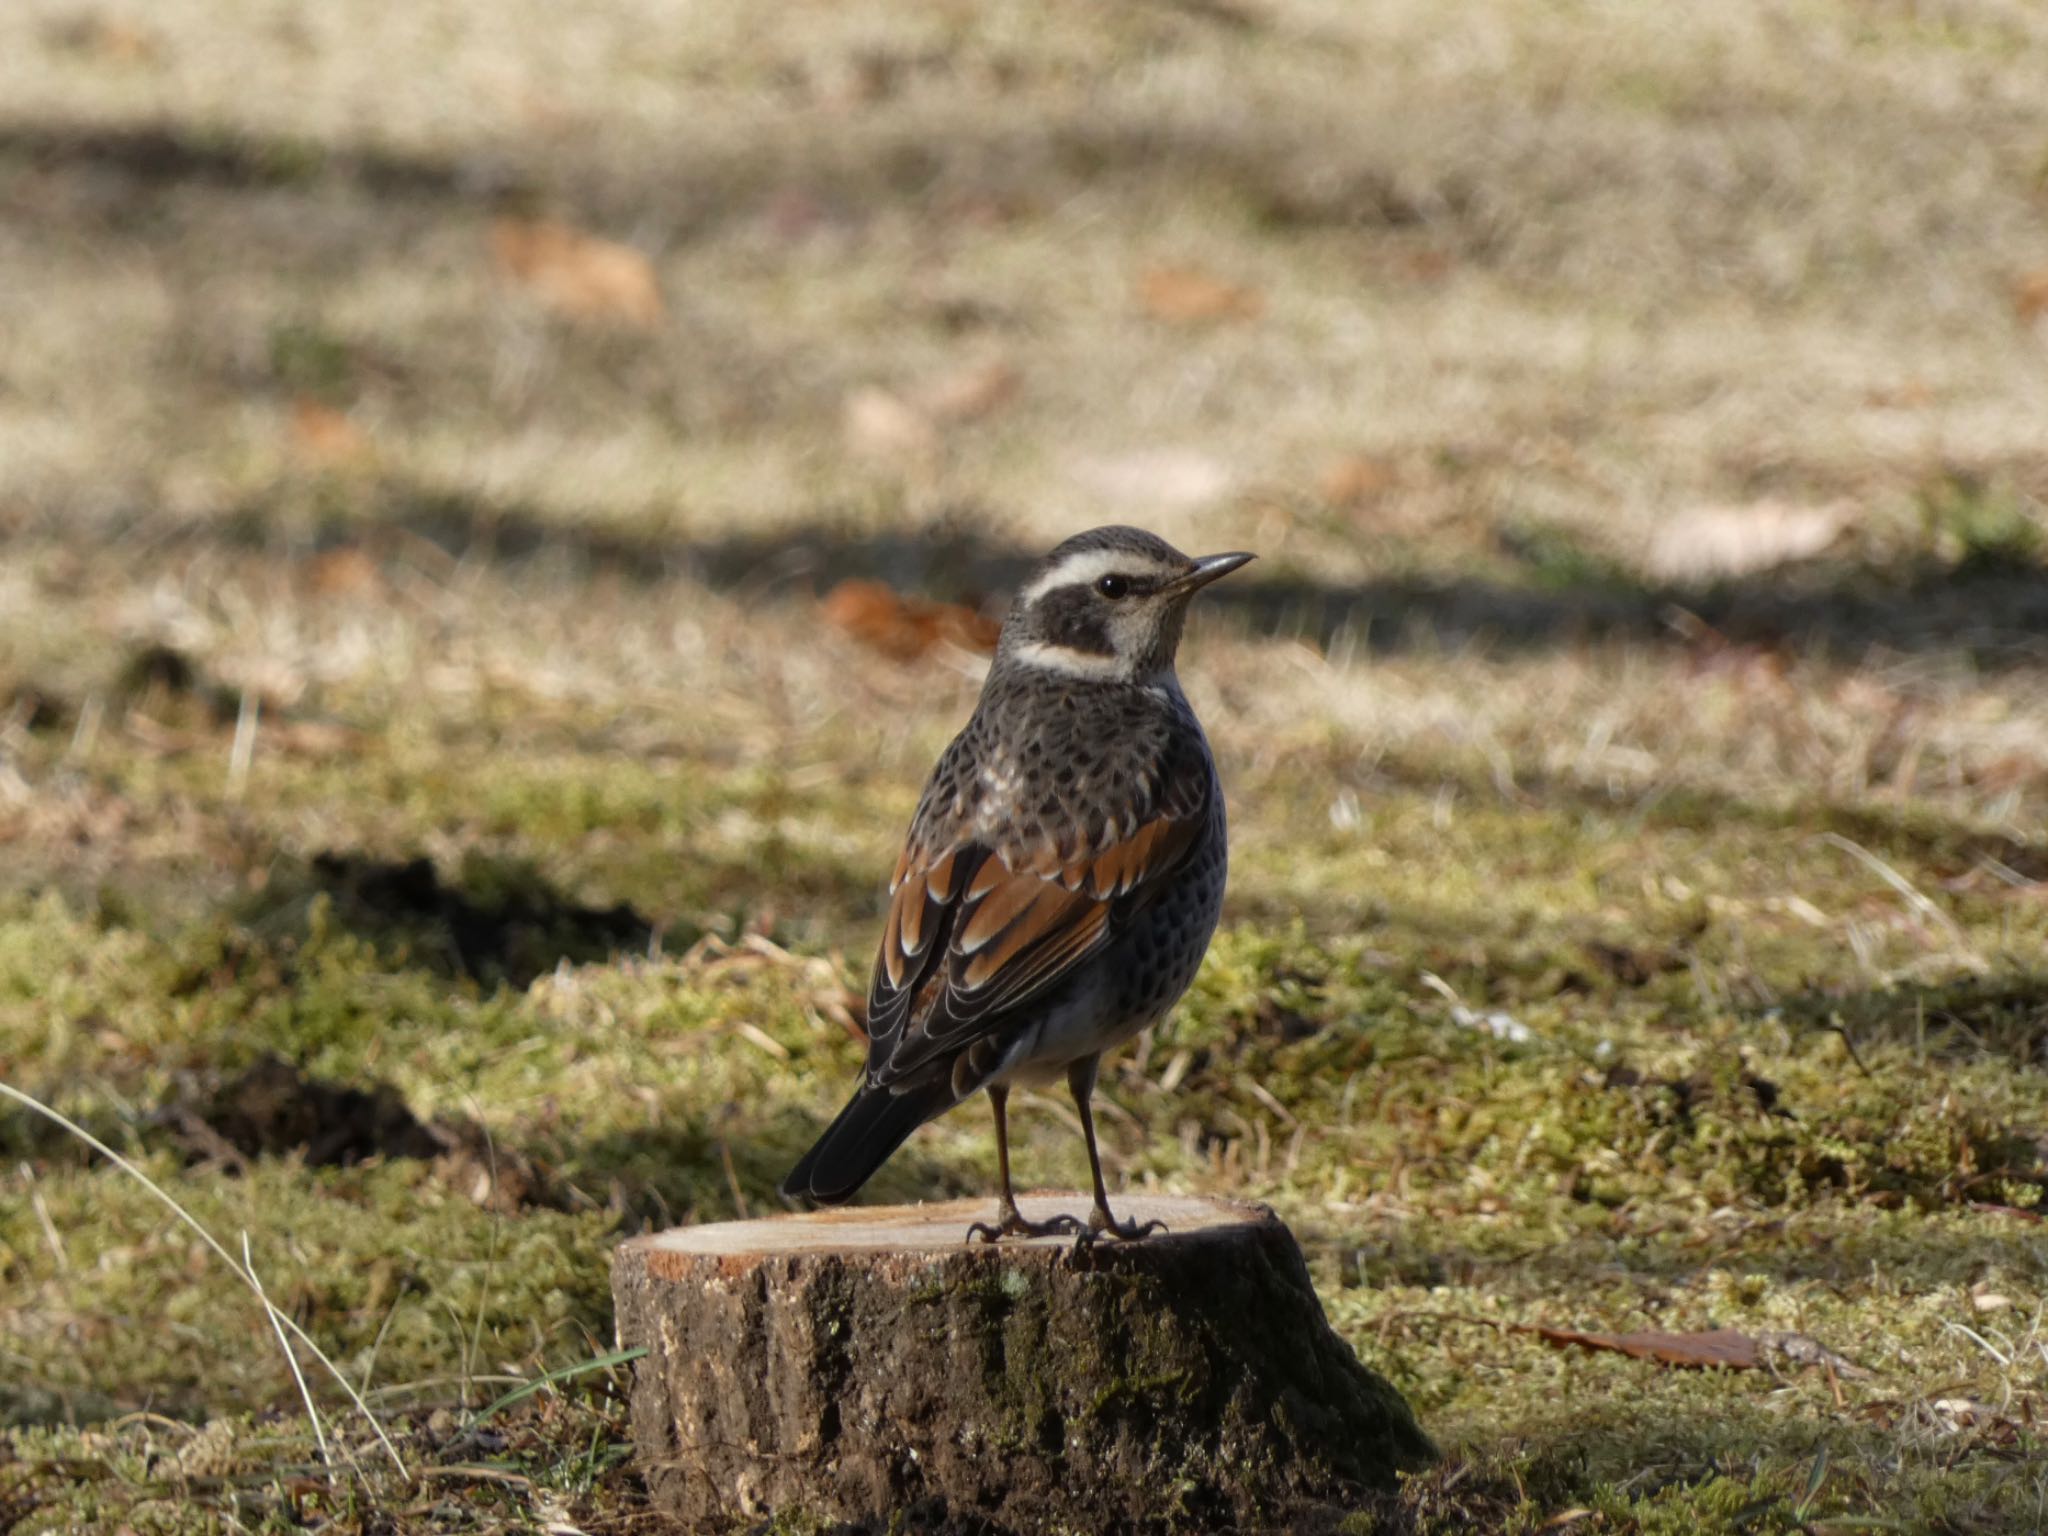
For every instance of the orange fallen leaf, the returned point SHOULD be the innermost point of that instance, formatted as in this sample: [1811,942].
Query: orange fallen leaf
[342,572]
[326,438]
[577,274]
[122,42]
[2030,295]
[1909,396]
[906,627]
[970,391]
[1356,478]
[1428,265]
[1185,296]
[1721,1348]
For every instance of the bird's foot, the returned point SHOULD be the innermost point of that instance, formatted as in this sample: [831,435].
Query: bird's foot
[1101,1224]
[1010,1222]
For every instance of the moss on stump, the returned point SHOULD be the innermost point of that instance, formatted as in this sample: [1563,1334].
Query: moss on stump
[853,1365]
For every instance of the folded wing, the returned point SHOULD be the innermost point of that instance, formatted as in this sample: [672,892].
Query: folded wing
[975,934]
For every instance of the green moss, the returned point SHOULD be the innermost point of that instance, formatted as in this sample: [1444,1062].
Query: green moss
[1676,1134]
[1134,1388]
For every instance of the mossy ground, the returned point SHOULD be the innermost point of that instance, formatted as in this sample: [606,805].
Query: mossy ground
[1603,951]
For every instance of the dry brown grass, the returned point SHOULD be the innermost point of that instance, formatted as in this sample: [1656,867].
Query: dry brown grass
[1580,264]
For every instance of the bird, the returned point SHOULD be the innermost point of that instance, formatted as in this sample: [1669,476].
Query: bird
[1061,879]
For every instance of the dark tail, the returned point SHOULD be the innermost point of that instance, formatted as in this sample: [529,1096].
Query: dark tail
[874,1124]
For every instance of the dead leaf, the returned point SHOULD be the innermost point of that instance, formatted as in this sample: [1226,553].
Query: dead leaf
[1719,1348]
[1704,543]
[971,391]
[577,274]
[121,42]
[1909,396]
[1355,479]
[1429,265]
[887,429]
[1722,1347]
[344,572]
[905,628]
[326,438]
[2030,295]
[1184,296]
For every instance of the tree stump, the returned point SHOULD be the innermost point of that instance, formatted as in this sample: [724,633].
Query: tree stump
[864,1364]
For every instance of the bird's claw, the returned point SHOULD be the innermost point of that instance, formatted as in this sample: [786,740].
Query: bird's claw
[1101,1224]
[1012,1223]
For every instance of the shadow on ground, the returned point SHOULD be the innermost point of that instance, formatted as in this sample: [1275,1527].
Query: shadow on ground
[1996,1015]
[692,1168]
[501,923]
[1994,612]
[1281,173]
[1912,1261]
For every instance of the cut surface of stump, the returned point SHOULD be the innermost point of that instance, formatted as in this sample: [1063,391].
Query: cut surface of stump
[862,1364]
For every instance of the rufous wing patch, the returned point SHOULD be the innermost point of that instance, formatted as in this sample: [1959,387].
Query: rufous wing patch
[1011,923]
[938,880]
[993,872]
[1150,851]
[996,911]
[909,909]
[1050,917]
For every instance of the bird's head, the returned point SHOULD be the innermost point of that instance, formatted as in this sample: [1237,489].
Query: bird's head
[1108,605]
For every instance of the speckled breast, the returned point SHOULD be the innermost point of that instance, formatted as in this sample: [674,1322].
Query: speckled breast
[1161,951]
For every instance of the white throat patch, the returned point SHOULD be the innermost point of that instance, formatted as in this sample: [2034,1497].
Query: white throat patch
[1057,658]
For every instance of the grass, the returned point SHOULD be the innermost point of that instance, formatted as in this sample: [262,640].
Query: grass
[1603,952]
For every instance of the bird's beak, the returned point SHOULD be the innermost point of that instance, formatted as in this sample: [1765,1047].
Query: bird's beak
[1209,568]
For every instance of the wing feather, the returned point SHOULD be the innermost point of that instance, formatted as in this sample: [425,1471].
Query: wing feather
[974,934]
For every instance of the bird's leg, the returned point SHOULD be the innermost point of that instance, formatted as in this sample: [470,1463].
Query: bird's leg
[1081,1080]
[1010,1221]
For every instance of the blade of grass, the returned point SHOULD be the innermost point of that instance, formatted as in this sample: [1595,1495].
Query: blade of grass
[291,1355]
[278,1319]
[567,1372]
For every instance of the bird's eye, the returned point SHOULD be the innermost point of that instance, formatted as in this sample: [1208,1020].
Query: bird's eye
[1114,586]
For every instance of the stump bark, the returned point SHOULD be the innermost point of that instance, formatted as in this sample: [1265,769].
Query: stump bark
[865,1365]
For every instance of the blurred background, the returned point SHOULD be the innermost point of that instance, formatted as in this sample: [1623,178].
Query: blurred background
[500,505]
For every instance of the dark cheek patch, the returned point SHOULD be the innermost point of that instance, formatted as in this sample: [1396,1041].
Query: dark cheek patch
[1071,619]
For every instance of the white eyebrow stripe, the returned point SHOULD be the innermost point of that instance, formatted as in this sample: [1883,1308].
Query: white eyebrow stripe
[1057,658]
[1083,566]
